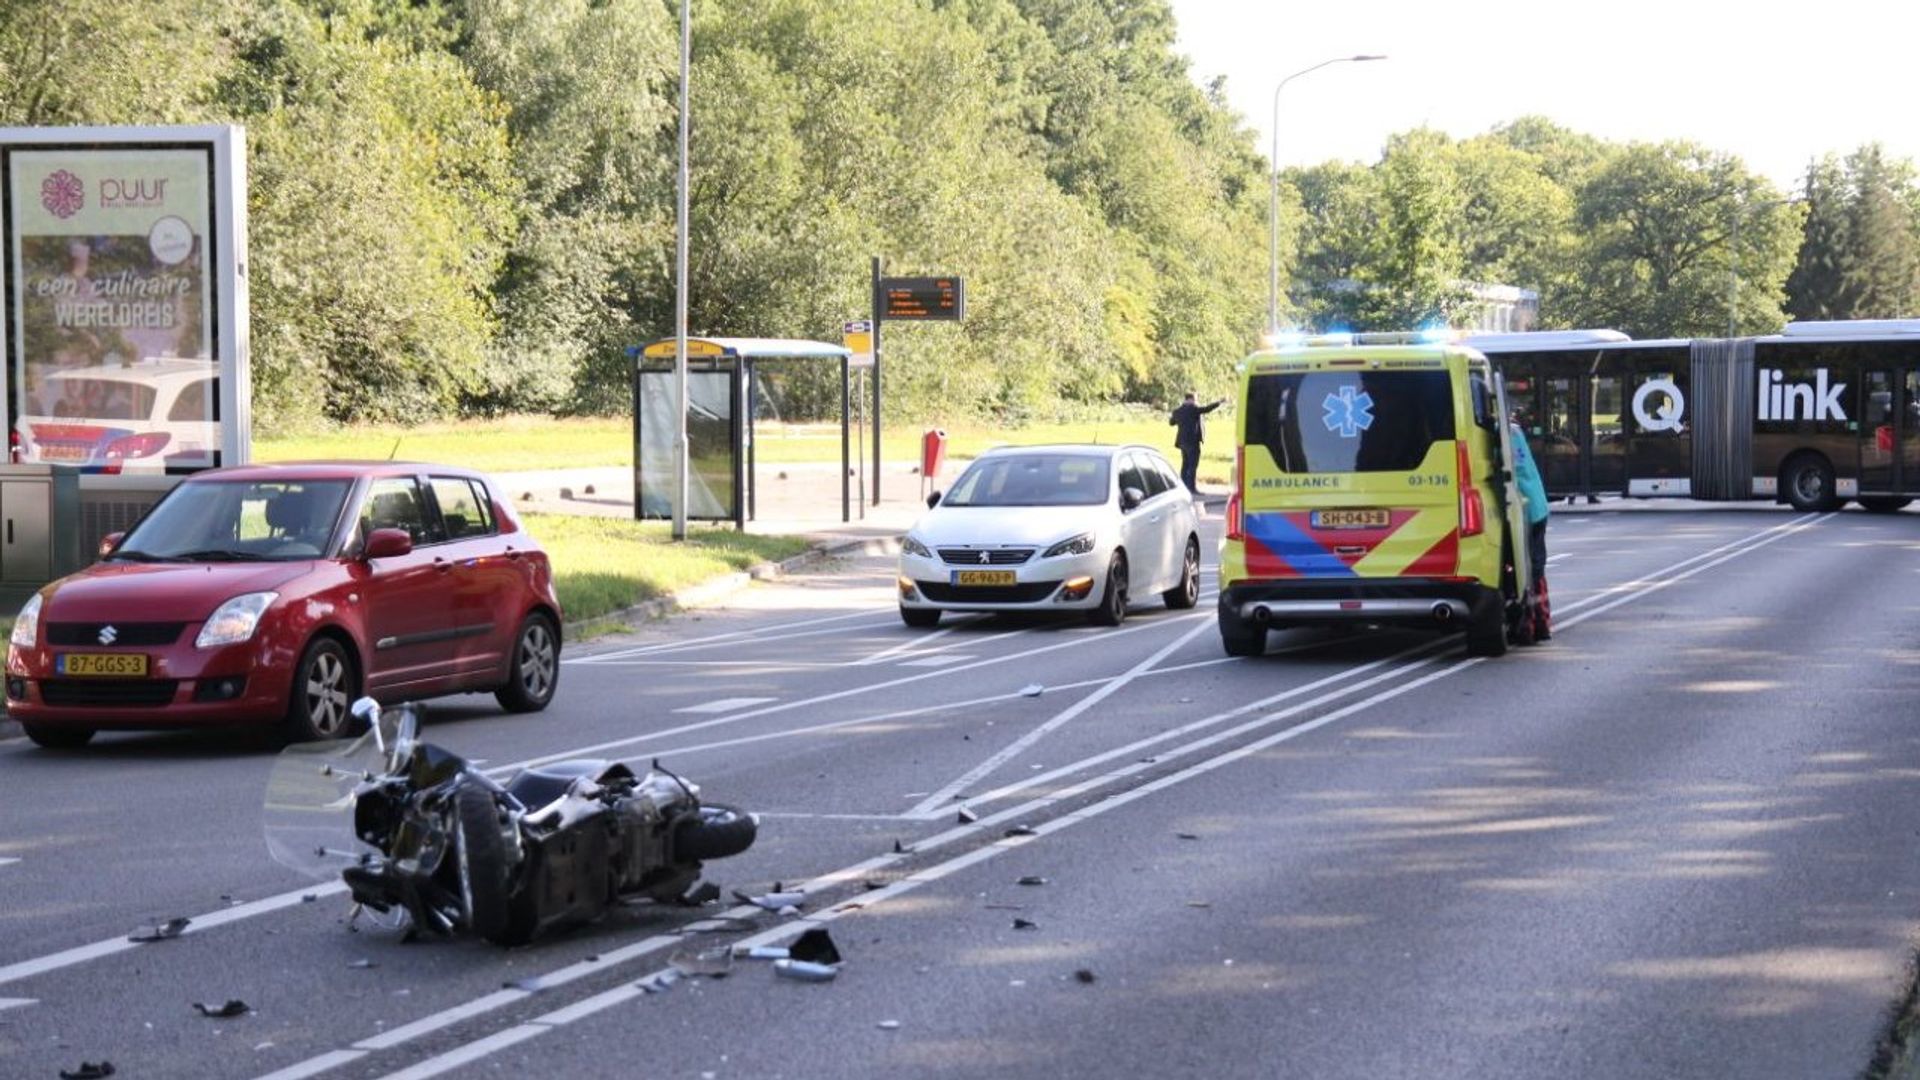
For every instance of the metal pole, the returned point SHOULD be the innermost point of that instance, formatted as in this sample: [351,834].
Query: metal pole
[1733,268]
[846,466]
[878,305]
[1273,191]
[680,449]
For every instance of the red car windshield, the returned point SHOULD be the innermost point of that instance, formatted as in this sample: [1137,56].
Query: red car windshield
[236,521]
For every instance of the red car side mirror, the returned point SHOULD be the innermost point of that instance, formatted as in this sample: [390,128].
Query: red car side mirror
[109,542]
[388,544]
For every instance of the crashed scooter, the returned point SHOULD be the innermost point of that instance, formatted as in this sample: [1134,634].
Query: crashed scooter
[424,839]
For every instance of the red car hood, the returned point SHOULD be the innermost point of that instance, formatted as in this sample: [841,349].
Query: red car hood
[160,592]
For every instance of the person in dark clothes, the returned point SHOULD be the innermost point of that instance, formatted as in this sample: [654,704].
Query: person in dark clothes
[1189,433]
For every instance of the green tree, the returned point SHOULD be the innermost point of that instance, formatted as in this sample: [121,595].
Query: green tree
[149,63]
[1819,286]
[1883,278]
[1664,229]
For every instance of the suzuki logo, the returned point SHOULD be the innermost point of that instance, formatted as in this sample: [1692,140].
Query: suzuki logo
[985,558]
[108,635]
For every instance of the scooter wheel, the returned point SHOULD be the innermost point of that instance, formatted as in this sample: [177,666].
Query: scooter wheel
[483,863]
[714,832]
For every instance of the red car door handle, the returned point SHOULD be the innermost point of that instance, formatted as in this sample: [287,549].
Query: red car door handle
[441,564]
[512,553]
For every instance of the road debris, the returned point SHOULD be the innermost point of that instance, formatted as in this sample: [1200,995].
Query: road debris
[1006,907]
[901,849]
[233,1007]
[1031,879]
[1084,975]
[1025,924]
[760,952]
[888,1025]
[1199,903]
[1187,835]
[815,947]
[659,982]
[802,971]
[968,817]
[363,964]
[772,901]
[706,892]
[88,1070]
[1020,830]
[160,931]
[1032,690]
[712,963]
[530,985]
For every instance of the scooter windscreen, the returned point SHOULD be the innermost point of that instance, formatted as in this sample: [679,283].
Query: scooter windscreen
[308,816]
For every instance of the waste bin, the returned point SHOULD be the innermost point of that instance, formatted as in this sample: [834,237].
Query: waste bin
[933,452]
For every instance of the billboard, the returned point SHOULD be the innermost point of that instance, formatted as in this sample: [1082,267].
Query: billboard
[124,347]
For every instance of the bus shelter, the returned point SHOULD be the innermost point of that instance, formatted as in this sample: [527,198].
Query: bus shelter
[723,397]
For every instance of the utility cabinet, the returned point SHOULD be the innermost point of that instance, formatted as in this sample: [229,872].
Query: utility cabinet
[39,527]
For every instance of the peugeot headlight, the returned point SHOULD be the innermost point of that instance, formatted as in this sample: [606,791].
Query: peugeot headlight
[235,620]
[26,628]
[914,547]
[1077,545]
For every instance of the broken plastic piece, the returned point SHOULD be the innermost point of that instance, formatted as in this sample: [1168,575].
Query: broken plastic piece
[1031,879]
[160,931]
[713,963]
[1187,835]
[363,964]
[308,898]
[531,985]
[1025,924]
[901,849]
[1032,690]
[772,901]
[1083,975]
[1020,830]
[706,892]
[88,1070]
[968,817]
[233,1007]
[788,912]
[804,971]
[1199,903]
[889,1025]
[815,947]
[760,952]
[873,883]
[659,982]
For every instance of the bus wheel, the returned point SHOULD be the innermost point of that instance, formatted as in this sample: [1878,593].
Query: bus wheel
[1808,482]
[1883,504]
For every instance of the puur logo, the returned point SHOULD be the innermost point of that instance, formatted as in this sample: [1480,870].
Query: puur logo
[1782,400]
[63,194]
[1347,413]
[132,192]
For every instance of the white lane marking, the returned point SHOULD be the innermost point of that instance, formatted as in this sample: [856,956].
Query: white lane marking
[914,644]
[472,1051]
[838,695]
[17,1003]
[1551,559]
[84,953]
[726,705]
[939,800]
[937,660]
[69,957]
[8,862]
[760,664]
[730,636]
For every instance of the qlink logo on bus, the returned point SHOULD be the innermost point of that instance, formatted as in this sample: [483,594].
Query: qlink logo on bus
[1782,400]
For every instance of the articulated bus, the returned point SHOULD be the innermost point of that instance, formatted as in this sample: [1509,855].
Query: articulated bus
[1822,413]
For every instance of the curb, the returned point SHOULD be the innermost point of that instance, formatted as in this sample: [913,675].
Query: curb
[716,589]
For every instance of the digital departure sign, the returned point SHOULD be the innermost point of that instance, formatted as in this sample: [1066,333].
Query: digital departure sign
[923,298]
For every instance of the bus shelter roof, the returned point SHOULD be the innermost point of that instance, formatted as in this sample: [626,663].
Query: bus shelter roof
[734,348]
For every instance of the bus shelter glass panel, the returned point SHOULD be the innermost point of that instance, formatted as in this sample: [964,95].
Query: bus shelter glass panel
[713,445]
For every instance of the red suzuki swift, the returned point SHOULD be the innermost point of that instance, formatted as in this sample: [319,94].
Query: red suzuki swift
[277,594]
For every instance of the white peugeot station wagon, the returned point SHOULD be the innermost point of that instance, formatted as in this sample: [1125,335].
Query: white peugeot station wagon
[1053,528]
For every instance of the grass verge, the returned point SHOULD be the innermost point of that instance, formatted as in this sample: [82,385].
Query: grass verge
[602,565]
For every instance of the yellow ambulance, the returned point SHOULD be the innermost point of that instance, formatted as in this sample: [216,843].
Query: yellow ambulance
[1373,485]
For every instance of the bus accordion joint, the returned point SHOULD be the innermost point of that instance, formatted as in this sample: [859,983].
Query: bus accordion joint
[1473,515]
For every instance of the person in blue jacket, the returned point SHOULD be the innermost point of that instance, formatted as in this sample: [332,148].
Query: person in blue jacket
[1534,493]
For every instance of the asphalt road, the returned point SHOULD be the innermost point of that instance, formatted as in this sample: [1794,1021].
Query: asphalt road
[1676,841]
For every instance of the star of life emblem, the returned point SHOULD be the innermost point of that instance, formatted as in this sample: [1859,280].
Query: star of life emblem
[1347,413]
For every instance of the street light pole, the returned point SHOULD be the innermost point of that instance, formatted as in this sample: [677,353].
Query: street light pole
[1273,191]
[680,449]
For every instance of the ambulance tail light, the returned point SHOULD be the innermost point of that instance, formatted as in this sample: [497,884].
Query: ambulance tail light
[1236,505]
[1473,514]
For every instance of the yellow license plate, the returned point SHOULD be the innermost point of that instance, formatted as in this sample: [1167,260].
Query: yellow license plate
[1350,519]
[983,577]
[110,665]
